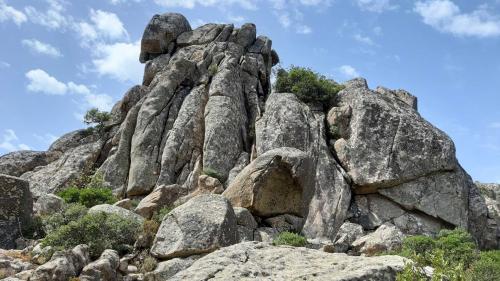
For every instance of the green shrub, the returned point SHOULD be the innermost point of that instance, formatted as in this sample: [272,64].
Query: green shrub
[97,118]
[149,264]
[213,173]
[160,214]
[72,212]
[212,69]
[290,239]
[487,268]
[458,246]
[34,229]
[99,231]
[88,197]
[309,86]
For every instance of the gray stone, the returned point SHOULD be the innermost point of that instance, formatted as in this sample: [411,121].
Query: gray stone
[285,222]
[162,196]
[125,204]
[265,234]
[48,204]
[153,67]
[121,212]
[202,225]
[386,238]
[104,268]
[13,262]
[245,218]
[201,35]
[63,265]
[16,208]
[161,31]
[373,210]
[260,261]
[19,162]
[273,184]
[347,234]
[167,269]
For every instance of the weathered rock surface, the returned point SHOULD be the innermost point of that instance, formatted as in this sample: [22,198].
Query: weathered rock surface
[491,193]
[252,260]
[121,212]
[16,207]
[104,268]
[273,184]
[167,269]
[63,265]
[288,122]
[48,204]
[19,162]
[348,233]
[387,237]
[202,225]
[13,262]
[162,196]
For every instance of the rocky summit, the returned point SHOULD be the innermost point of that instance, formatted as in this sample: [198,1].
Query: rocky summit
[238,163]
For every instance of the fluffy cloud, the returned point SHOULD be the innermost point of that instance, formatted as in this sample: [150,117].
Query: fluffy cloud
[54,17]
[377,6]
[364,39]
[446,16]
[303,29]
[103,26]
[119,61]
[189,4]
[348,71]
[9,140]
[8,13]
[41,48]
[41,82]
[116,2]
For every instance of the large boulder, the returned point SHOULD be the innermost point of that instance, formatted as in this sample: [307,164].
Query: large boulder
[386,238]
[491,194]
[202,225]
[275,183]
[16,208]
[115,210]
[162,196]
[48,204]
[63,265]
[288,122]
[261,261]
[167,269]
[19,162]
[160,35]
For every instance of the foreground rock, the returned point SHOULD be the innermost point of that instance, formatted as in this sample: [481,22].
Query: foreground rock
[202,225]
[63,265]
[16,207]
[386,238]
[103,269]
[261,261]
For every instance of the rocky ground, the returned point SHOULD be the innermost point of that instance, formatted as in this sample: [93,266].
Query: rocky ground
[205,134]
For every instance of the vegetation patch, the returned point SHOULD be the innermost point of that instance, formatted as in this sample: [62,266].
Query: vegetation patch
[308,85]
[290,239]
[452,254]
[96,119]
[213,173]
[88,192]
[99,231]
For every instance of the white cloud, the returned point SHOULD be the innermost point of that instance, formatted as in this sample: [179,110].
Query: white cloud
[103,26]
[190,4]
[236,19]
[116,2]
[41,82]
[9,140]
[348,71]
[364,39]
[377,6]
[41,48]
[10,13]
[4,64]
[55,17]
[445,16]
[119,61]
[303,29]
[284,19]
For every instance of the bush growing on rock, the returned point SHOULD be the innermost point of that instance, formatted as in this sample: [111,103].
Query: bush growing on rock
[72,212]
[88,191]
[213,173]
[452,254]
[97,118]
[99,231]
[309,86]
[290,239]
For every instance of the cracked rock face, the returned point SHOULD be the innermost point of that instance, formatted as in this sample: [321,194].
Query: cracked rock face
[261,261]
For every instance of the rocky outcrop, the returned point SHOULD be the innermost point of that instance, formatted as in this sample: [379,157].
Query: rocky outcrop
[288,122]
[167,269]
[102,269]
[19,162]
[491,194]
[63,265]
[386,238]
[162,196]
[16,207]
[48,204]
[202,225]
[252,260]
[115,210]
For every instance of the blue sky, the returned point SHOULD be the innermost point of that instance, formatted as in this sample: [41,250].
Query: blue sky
[59,58]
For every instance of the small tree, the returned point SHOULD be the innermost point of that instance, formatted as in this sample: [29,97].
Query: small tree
[97,118]
[308,85]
